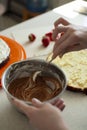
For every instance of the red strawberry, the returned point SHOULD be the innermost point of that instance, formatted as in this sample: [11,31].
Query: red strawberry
[49,34]
[32,37]
[45,41]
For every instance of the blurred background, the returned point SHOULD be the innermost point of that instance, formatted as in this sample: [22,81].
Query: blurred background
[13,12]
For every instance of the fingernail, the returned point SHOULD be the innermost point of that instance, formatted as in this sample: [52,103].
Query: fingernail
[36,100]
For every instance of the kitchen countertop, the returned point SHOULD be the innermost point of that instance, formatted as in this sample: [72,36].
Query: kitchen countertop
[75,113]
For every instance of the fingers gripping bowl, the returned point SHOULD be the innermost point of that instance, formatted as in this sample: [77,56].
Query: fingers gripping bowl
[18,81]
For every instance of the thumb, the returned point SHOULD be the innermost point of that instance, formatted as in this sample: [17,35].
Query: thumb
[36,102]
[61,21]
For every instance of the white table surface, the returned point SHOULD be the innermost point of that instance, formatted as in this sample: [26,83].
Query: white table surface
[75,113]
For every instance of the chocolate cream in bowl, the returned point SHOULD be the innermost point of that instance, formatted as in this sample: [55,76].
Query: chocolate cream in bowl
[44,87]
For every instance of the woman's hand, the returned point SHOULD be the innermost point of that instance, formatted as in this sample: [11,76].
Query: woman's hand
[59,103]
[43,116]
[73,39]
